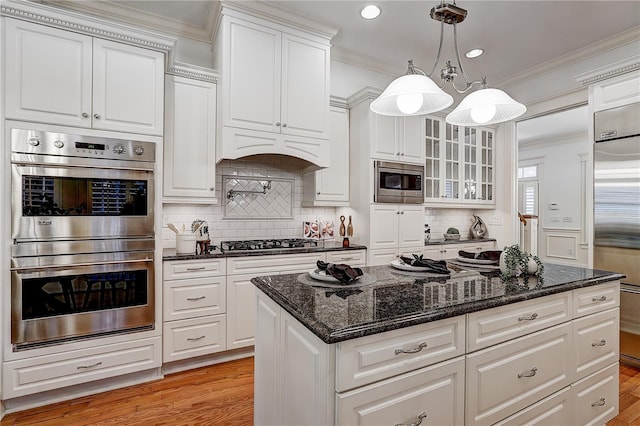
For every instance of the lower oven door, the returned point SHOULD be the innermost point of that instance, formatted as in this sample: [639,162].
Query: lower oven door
[83,299]
[65,202]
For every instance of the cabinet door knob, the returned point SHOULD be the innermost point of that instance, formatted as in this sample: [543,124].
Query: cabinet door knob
[318,193]
[96,116]
[397,212]
[284,124]
[212,188]
[85,115]
[277,123]
[397,153]
[402,153]
[402,212]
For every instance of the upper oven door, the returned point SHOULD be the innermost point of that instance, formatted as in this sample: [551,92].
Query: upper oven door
[54,202]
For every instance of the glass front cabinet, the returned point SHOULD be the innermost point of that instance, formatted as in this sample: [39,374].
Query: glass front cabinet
[459,164]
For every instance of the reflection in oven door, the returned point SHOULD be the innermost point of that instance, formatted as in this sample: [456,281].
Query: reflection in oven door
[56,303]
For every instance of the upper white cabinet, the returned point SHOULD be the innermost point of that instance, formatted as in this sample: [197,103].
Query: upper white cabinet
[616,91]
[189,143]
[72,79]
[330,186]
[459,164]
[394,230]
[397,138]
[275,89]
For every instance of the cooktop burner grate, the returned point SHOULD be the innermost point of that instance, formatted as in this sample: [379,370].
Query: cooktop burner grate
[244,245]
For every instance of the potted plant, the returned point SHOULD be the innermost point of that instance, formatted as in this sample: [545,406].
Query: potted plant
[514,262]
[452,234]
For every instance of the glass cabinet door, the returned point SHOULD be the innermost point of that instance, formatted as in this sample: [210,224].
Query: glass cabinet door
[432,156]
[487,170]
[451,188]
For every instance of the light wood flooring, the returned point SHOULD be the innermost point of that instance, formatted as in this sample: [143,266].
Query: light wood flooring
[221,394]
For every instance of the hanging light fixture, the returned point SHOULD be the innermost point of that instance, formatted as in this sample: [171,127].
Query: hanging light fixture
[415,93]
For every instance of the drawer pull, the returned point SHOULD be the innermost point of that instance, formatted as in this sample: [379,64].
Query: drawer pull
[194,339]
[195,299]
[421,417]
[199,268]
[84,367]
[420,347]
[598,403]
[529,318]
[602,342]
[347,258]
[599,299]
[529,373]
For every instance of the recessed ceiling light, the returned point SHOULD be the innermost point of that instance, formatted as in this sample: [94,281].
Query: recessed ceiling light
[370,12]
[474,53]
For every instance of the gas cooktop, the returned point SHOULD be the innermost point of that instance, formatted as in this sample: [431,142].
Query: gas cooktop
[271,244]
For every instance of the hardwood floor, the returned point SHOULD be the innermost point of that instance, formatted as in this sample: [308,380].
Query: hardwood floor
[221,394]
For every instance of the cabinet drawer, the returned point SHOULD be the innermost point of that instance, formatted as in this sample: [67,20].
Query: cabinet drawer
[198,297]
[476,247]
[510,376]
[435,393]
[596,397]
[372,358]
[39,374]
[595,299]
[350,257]
[194,337]
[265,265]
[381,256]
[553,410]
[596,341]
[486,328]
[193,268]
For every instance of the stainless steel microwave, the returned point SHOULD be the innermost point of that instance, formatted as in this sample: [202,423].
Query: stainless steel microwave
[398,183]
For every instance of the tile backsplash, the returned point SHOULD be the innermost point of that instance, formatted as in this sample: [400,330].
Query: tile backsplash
[441,219]
[254,220]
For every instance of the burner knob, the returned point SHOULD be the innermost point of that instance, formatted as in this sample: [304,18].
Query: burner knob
[33,141]
[138,150]
[58,144]
[118,149]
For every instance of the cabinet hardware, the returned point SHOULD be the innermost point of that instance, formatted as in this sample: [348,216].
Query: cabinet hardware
[199,268]
[195,299]
[598,403]
[346,258]
[529,318]
[318,193]
[84,367]
[420,347]
[284,125]
[397,153]
[602,342]
[401,212]
[402,154]
[397,212]
[96,116]
[277,124]
[421,417]
[529,373]
[212,188]
[599,299]
[194,339]
[85,115]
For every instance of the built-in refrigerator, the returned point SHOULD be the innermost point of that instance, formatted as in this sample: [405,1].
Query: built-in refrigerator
[617,214]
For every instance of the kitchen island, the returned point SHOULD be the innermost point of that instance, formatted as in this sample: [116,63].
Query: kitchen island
[403,347]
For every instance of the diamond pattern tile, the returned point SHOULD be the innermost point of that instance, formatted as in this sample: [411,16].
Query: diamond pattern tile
[277,203]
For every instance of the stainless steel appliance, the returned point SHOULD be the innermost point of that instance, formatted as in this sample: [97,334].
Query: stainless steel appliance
[66,290]
[398,183]
[617,214]
[71,187]
[82,224]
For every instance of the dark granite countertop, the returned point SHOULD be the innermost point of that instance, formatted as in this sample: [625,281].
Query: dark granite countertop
[435,242]
[400,299]
[323,246]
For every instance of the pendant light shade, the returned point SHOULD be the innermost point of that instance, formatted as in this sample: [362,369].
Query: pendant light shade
[411,94]
[484,107]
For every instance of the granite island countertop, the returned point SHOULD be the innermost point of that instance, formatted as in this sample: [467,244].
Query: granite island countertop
[385,298]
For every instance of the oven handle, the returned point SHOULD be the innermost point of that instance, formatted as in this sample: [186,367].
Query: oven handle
[78,265]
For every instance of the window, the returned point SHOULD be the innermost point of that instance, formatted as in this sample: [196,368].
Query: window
[528,190]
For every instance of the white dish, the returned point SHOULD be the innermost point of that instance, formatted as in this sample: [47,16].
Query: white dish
[399,264]
[477,261]
[323,276]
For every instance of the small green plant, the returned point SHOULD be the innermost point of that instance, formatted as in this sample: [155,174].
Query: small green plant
[453,231]
[516,262]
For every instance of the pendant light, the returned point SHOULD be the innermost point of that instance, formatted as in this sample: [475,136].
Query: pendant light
[416,93]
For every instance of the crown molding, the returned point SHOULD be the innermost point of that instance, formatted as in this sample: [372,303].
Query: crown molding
[338,102]
[611,70]
[367,93]
[356,59]
[86,24]
[602,46]
[192,71]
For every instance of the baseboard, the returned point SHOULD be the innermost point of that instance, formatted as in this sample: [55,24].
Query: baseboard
[206,360]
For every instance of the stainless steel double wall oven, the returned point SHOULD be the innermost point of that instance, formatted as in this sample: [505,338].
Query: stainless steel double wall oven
[82,225]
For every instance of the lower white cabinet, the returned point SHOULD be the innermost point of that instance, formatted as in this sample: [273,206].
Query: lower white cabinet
[241,296]
[556,409]
[194,337]
[596,397]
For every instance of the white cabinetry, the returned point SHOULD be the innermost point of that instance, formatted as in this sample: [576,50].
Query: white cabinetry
[616,91]
[459,164]
[450,251]
[194,306]
[394,230]
[330,186]
[189,142]
[275,89]
[67,78]
[397,138]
